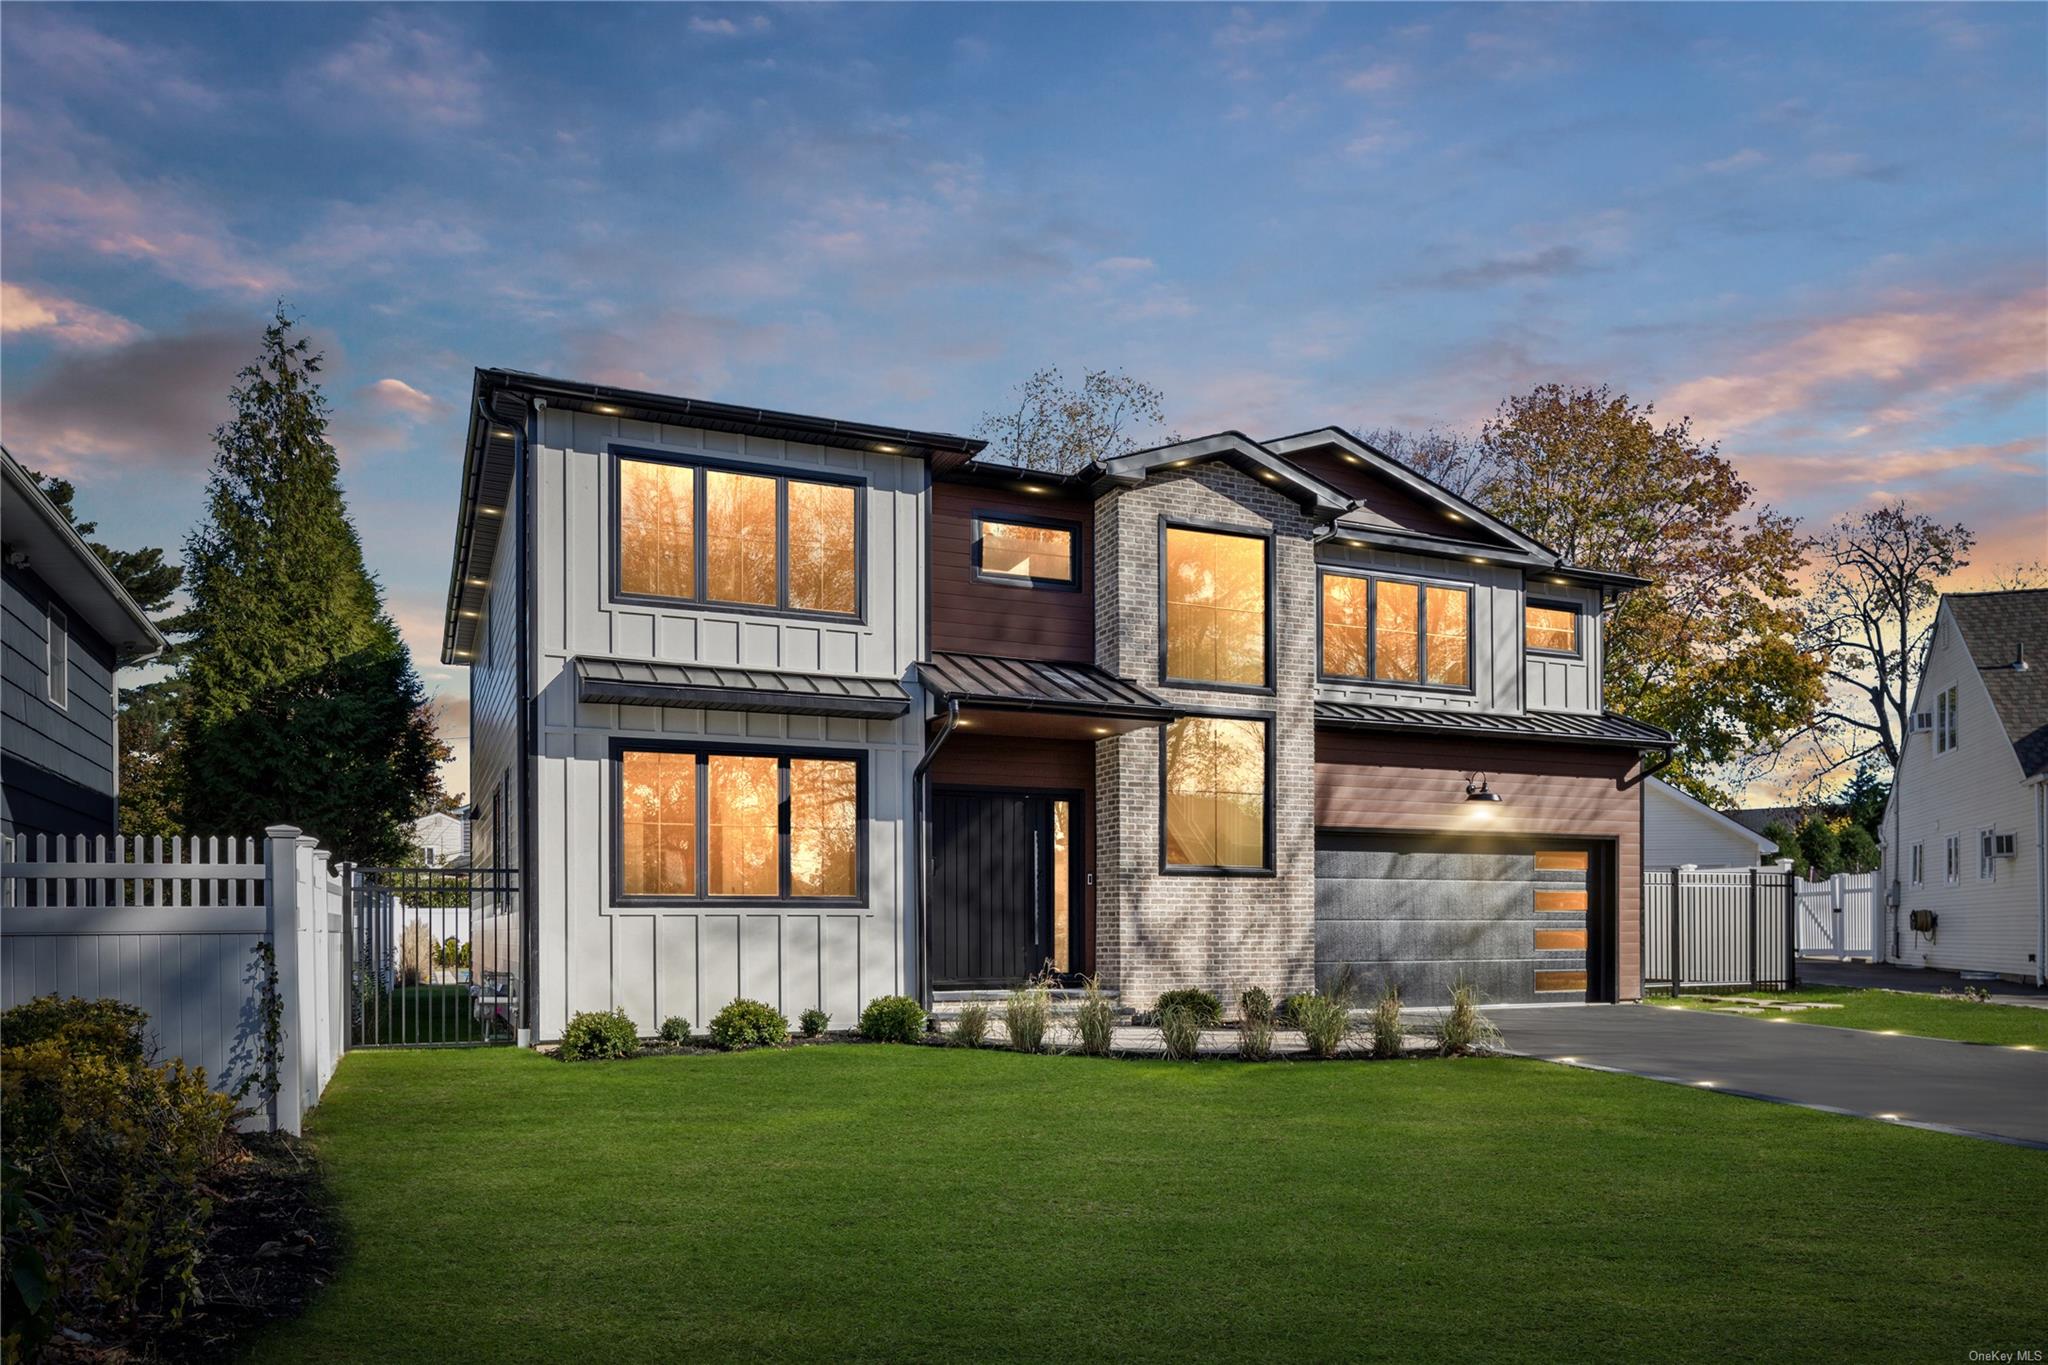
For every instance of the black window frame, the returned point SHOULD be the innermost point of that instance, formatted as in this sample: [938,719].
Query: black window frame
[1071,583]
[1270,868]
[1578,613]
[699,540]
[702,750]
[1373,578]
[1259,533]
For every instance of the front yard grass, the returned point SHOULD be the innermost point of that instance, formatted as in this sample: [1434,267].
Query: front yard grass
[1930,1016]
[915,1203]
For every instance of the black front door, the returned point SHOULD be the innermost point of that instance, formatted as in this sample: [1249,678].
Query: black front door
[1001,886]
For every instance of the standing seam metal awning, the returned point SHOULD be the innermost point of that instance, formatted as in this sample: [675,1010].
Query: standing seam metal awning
[714,687]
[990,680]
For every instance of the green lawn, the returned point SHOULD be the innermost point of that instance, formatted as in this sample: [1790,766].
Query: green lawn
[914,1202]
[420,1014]
[1930,1016]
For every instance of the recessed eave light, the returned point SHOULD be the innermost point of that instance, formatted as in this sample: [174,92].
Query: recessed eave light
[607,411]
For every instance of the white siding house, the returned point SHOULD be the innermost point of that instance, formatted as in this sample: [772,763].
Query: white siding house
[1679,830]
[1964,835]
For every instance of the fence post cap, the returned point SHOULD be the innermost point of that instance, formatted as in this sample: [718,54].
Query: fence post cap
[281,832]
[306,840]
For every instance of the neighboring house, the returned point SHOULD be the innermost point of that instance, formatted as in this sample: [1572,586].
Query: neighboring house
[1757,819]
[66,626]
[1680,830]
[442,837]
[1966,830]
[813,711]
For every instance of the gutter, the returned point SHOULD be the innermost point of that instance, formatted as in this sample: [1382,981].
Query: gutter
[920,799]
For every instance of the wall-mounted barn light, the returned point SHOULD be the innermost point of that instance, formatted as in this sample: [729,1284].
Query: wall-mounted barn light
[1477,790]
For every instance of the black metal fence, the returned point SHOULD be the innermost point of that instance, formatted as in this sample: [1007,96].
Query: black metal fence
[1732,928]
[434,956]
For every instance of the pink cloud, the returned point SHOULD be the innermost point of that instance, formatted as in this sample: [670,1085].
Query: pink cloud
[395,395]
[183,239]
[25,310]
[1792,476]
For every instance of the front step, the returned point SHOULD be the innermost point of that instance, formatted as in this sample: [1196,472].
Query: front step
[947,1004]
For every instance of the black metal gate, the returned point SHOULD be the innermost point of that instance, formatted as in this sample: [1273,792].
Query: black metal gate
[435,956]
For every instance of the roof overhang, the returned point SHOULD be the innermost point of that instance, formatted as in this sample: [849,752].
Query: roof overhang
[1394,471]
[1605,729]
[714,687]
[36,529]
[1240,451]
[988,682]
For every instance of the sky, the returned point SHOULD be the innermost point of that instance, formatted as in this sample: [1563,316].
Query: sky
[1820,231]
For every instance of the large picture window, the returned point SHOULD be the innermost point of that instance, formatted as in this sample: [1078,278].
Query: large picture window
[1213,606]
[1214,783]
[710,824]
[738,538]
[1397,631]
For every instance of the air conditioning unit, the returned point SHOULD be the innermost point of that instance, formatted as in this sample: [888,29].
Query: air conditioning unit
[1996,845]
[1923,723]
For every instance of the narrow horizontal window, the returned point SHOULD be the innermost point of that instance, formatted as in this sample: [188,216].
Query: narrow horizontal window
[1215,793]
[1560,981]
[1393,630]
[1025,552]
[1550,629]
[1215,607]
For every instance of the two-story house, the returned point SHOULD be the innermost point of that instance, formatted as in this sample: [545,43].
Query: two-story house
[813,711]
[1967,828]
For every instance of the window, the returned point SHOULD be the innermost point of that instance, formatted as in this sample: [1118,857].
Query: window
[707,824]
[57,666]
[1026,552]
[1214,788]
[1919,864]
[1945,735]
[1062,887]
[730,537]
[1214,607]
[1954,869]
[1393,630]
[1550,627]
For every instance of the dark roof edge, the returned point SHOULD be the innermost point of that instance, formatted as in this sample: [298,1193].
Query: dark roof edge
[48,511]
[1327,720]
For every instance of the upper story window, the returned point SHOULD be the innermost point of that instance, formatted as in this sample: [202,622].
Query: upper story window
[1214,623]
[1550,627]
[719,536]
[1378,629]
[701,824]
[1945,731]
[1027,553]
[1214,775]
[57,667]
[1919,864]
[1952,854]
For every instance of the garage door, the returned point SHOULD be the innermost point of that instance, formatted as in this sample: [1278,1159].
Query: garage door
[1515,919]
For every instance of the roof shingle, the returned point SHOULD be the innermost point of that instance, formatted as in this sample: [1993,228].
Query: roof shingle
[1996,628]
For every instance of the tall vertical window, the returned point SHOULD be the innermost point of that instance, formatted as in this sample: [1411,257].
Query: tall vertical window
[1945,729]
[58,664]
[1394,630]
[1062,887]
[1953,853]
[1214,592]
[1919,864]
[710,534]
[760,826]
[1214,789]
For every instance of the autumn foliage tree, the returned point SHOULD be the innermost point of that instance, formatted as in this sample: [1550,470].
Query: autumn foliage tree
[1060,430]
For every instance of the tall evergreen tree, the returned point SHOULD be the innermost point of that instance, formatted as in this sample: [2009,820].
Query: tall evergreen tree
[300,703]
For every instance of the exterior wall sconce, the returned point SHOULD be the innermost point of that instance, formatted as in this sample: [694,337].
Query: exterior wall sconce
[1477,790]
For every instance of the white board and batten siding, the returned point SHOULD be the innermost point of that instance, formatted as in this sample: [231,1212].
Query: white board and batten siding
[658,961]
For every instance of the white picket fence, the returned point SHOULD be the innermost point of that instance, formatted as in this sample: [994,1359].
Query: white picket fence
[178,929]
[1838,917]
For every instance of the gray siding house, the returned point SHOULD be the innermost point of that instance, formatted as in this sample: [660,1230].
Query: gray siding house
[813,711]
[66,627]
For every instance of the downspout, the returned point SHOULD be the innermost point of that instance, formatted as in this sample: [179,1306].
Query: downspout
[920,796]
[2041,880]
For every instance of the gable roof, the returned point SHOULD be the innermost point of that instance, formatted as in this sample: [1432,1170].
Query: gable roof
[1391,469]
[37,528]
[2000,629]
[1701,810]
[1242,452]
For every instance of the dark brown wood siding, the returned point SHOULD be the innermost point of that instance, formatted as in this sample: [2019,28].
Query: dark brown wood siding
[1011,763]
[1021,622]
[1416,783]
[1383,496]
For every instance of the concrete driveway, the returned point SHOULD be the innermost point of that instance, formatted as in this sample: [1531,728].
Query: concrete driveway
[1991,1092]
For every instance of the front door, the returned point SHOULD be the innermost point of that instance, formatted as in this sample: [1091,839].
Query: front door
[1003,887]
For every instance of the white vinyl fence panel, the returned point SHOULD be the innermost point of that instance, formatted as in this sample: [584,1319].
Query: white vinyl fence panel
[1725,927]
[178,928]
[1838,917]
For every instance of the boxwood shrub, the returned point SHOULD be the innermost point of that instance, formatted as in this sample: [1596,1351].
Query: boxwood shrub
[813,1022]
[892,1019]
[599,1036]
[748,1023]
[675,1029]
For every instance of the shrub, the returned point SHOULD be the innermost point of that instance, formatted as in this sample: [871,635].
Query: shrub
[675,1029]
[1463,1028]
[1290,1009]
[41,1037]
[970,1028]
[1255,1038]
[599,1036]
[1204,1005]
[892,1019]
[1255,1006]
[813,1022]
[1095,1020]
[1180,1028]
[1324,1021]
[1385,1024]
[748,1023]
[1027,1014]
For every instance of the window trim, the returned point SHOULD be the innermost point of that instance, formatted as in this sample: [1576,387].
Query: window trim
[1578,611]
[1072,583]
[1271,866]
[1372,579]
[701,898]
[700,547]
[1918,864]
[1265,534]
[57,656]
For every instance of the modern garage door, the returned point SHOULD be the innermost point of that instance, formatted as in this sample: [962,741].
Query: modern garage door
[1522,921]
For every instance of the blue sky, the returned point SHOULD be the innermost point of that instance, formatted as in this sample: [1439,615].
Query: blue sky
[1822,231]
